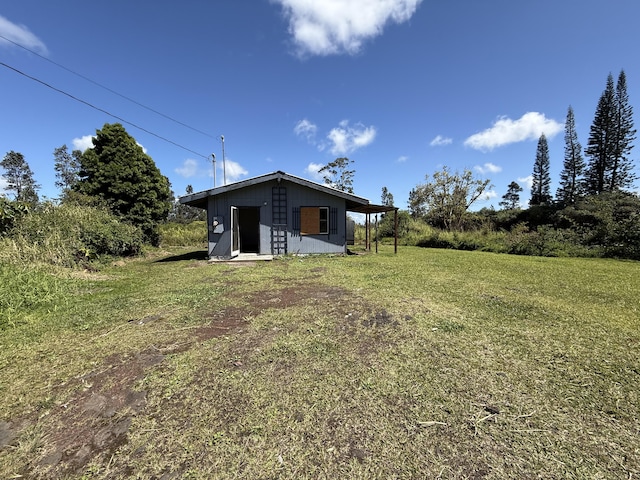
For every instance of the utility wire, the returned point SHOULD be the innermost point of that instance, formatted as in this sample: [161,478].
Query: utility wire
[107,88]
[102,110]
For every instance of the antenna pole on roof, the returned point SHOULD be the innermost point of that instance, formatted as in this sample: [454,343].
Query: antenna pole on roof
[224,162]
[213,158]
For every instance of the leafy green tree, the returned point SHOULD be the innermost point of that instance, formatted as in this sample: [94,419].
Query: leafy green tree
[337,174]
[571,184]
[447,197]
[117,171]
[541,187]
[67,168]
[511,199]
[20,178]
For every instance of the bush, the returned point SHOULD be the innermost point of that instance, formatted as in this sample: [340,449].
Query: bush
[69,235]
[387,224]
[10,213]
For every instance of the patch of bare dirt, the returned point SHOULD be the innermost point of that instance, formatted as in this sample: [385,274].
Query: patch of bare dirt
[95,421]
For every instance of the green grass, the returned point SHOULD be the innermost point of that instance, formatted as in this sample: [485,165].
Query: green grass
[428,364]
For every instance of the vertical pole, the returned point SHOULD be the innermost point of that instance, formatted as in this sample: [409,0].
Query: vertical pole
[213,156]
[366,232]
[395,231]
[224,162]
[376,233]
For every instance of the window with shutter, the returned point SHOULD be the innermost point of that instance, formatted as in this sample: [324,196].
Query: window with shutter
[314,220]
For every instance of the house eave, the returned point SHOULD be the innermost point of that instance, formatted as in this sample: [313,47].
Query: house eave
[200,199]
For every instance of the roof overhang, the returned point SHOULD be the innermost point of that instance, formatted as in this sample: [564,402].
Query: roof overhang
[200,199]
[371,208]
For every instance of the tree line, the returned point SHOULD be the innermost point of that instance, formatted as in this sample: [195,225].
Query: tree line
[609,168]
[593,209]
[115,174]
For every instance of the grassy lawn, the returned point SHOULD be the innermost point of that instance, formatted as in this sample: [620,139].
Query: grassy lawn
[428,364]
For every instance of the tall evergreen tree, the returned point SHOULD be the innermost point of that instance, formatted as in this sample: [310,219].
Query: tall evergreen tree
[610,140]
[541,187]
[511,199]
[117,171]
[621,175]
[571,184]
[19,177]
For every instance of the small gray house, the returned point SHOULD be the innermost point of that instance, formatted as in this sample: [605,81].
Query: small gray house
[276,214]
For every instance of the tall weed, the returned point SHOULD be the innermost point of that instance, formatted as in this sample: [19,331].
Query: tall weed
[25,288]
[67,236]
[183,234]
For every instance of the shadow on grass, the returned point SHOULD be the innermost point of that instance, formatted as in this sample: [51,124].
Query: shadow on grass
[197,255]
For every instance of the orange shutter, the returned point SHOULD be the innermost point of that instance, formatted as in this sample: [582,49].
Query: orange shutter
[309,220]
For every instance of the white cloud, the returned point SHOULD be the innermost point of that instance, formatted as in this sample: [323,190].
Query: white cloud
[83,143]
[304,128]
[345,139]
[487,168]
[402,159]
[440,141]
[312,170]
[21,35]
[188,169]
[329,27]
[488,195]
[142,147]
[526,182]
[505,131]
[233,170]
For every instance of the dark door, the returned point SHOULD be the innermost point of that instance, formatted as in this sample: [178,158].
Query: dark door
[249,226]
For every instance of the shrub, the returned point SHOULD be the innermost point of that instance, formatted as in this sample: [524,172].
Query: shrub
[69,235]
[387,223]
[10,213]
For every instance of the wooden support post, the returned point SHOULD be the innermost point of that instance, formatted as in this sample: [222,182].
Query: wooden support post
[366,232]
[395,231]
[376,231]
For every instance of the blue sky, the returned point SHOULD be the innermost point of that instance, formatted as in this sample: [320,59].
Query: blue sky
[401,87]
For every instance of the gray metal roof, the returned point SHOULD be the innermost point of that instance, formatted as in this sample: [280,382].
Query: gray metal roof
[199,199]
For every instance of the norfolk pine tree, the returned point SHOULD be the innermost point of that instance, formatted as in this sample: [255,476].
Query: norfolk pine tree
[541,188]
[600,144]
[118,171]
[622,176]
[571,182]
[610,140]
[511,199]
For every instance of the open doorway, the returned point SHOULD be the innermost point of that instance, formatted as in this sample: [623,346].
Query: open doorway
[248,229]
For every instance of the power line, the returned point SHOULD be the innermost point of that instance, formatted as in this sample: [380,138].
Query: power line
[107,88]
[102,110]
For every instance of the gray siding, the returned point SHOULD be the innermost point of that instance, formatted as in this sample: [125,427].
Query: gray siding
[259,197]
